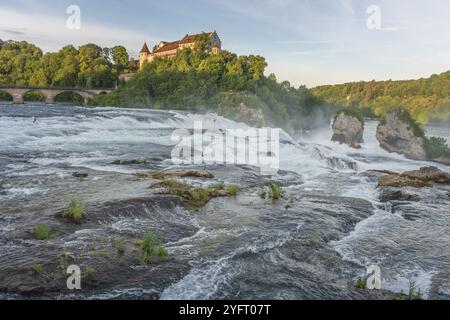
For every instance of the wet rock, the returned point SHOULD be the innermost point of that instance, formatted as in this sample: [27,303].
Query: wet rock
[80,175]
[425,177]
[397,195]
[429,174]
[398,181]
[397,134]
[348,129]
[197,197]
[177,173]
[130,162]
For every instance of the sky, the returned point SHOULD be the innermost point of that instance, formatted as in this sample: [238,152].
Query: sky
[307,42]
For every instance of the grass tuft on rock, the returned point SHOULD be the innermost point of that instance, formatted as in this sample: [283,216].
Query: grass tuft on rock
[275,191]
[232,190]
[41,232]
[37,268]
[152,249]
[361,283]
[75,211]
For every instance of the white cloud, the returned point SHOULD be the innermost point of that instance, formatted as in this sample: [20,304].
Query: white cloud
[50,32]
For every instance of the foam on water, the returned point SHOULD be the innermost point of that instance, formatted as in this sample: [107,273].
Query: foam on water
[94,138]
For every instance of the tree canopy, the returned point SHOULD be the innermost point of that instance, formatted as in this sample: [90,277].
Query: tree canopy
[89,66]
[426,99]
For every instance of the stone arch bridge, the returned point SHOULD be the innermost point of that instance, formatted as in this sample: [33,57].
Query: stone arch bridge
[49,93]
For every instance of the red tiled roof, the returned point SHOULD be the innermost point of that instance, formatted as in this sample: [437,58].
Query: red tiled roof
[145,49]
[168,46]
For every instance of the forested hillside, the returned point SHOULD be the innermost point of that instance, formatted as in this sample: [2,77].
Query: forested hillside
[427,100]
[226,83]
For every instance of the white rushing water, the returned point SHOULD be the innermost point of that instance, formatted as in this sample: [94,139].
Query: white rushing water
[60,138]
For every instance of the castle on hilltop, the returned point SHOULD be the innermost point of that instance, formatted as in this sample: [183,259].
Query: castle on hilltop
[170,49]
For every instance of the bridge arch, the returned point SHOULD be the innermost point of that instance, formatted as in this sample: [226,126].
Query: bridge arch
[69,96]
[34,95]
[5,96]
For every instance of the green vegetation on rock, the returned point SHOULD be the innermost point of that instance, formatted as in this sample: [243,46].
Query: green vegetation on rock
[152,249]
[195,196]
[37,267]
[437,147]
[361,283]
[351,112]
[275,191]
[42,232]
[75,211]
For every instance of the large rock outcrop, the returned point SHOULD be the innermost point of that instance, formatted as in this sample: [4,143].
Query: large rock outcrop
[397,133]
[348,129]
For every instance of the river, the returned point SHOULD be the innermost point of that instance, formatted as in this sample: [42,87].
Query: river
[233,248]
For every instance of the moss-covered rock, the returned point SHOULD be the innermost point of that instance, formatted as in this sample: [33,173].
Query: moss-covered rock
[197,197]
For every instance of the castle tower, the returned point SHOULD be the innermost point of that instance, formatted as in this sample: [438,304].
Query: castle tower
[143,56]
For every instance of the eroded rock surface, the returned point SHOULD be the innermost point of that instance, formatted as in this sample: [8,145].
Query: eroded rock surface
[395,134]
[349,130]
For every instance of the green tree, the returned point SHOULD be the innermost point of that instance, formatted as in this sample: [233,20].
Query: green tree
[120,56]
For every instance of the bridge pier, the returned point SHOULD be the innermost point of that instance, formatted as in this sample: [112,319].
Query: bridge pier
[17,98]
[49,100]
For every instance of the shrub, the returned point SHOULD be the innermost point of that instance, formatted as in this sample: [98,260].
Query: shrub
[37,267]
[199,197]
[437,147]
[42,232]
[218,186]
[275,191]
[75,211]
[232,190]
[312,240]
[152,249]
[405,116]
[361,283]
